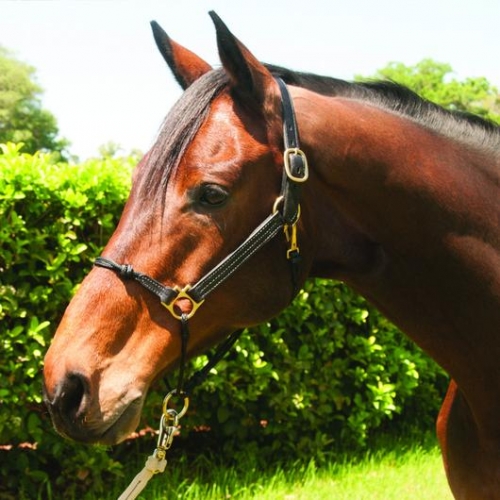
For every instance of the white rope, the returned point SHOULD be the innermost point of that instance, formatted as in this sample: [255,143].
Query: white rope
[157,462]
[154,465]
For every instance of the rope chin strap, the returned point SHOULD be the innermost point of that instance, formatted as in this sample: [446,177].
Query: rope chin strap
[284,217]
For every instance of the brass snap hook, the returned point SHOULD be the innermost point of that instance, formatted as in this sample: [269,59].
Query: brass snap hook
[291,237]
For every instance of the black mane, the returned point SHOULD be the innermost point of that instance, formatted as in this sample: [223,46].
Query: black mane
[180,127]
[189,113]
[459,125]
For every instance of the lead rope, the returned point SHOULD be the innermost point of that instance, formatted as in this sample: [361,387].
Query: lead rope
[156,463]
[169,426]
[169,422]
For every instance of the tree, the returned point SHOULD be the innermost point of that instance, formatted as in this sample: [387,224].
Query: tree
[22,118]
[434,81]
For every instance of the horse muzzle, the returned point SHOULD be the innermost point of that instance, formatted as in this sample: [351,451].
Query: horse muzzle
[78,414]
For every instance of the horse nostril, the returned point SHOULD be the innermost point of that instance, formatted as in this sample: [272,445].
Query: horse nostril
[69,401]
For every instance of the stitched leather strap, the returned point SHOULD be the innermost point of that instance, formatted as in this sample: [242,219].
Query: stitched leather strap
[290,190]
[264,233]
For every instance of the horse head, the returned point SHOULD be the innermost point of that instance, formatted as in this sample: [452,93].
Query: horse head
[214,174]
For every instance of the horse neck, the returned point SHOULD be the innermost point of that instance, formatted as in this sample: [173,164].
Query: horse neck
[418,213]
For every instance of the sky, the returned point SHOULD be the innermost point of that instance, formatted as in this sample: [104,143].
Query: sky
[104,79]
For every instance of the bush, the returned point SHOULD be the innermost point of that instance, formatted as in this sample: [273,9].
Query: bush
[324,375]
[328,372]
[55,218]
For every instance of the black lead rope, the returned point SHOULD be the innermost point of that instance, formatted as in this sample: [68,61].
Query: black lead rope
[199,376]
[285,215]
[186,388]
[183,360]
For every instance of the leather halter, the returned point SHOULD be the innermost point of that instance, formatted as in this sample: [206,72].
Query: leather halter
[284,216]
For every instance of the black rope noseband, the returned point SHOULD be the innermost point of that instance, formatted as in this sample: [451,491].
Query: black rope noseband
[284,216]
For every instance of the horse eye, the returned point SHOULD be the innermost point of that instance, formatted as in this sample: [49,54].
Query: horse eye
[212,195]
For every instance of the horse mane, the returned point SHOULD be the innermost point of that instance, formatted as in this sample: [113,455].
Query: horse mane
[464,127]
[179,129]
[191,110]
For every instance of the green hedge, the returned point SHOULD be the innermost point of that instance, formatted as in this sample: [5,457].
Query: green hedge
[54,219]
[327,373]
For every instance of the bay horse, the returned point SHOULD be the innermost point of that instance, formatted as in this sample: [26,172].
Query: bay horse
[398,198]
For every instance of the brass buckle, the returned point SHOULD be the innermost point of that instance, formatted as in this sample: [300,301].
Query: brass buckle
[182,294]
[286,157]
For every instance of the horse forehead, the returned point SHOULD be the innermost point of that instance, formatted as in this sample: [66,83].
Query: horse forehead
[229,132]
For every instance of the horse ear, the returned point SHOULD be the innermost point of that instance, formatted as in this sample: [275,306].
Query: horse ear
[249,78]
[186,66]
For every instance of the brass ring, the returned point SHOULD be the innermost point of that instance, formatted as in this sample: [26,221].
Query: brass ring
[182,294]
[276,205]
[167,399]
